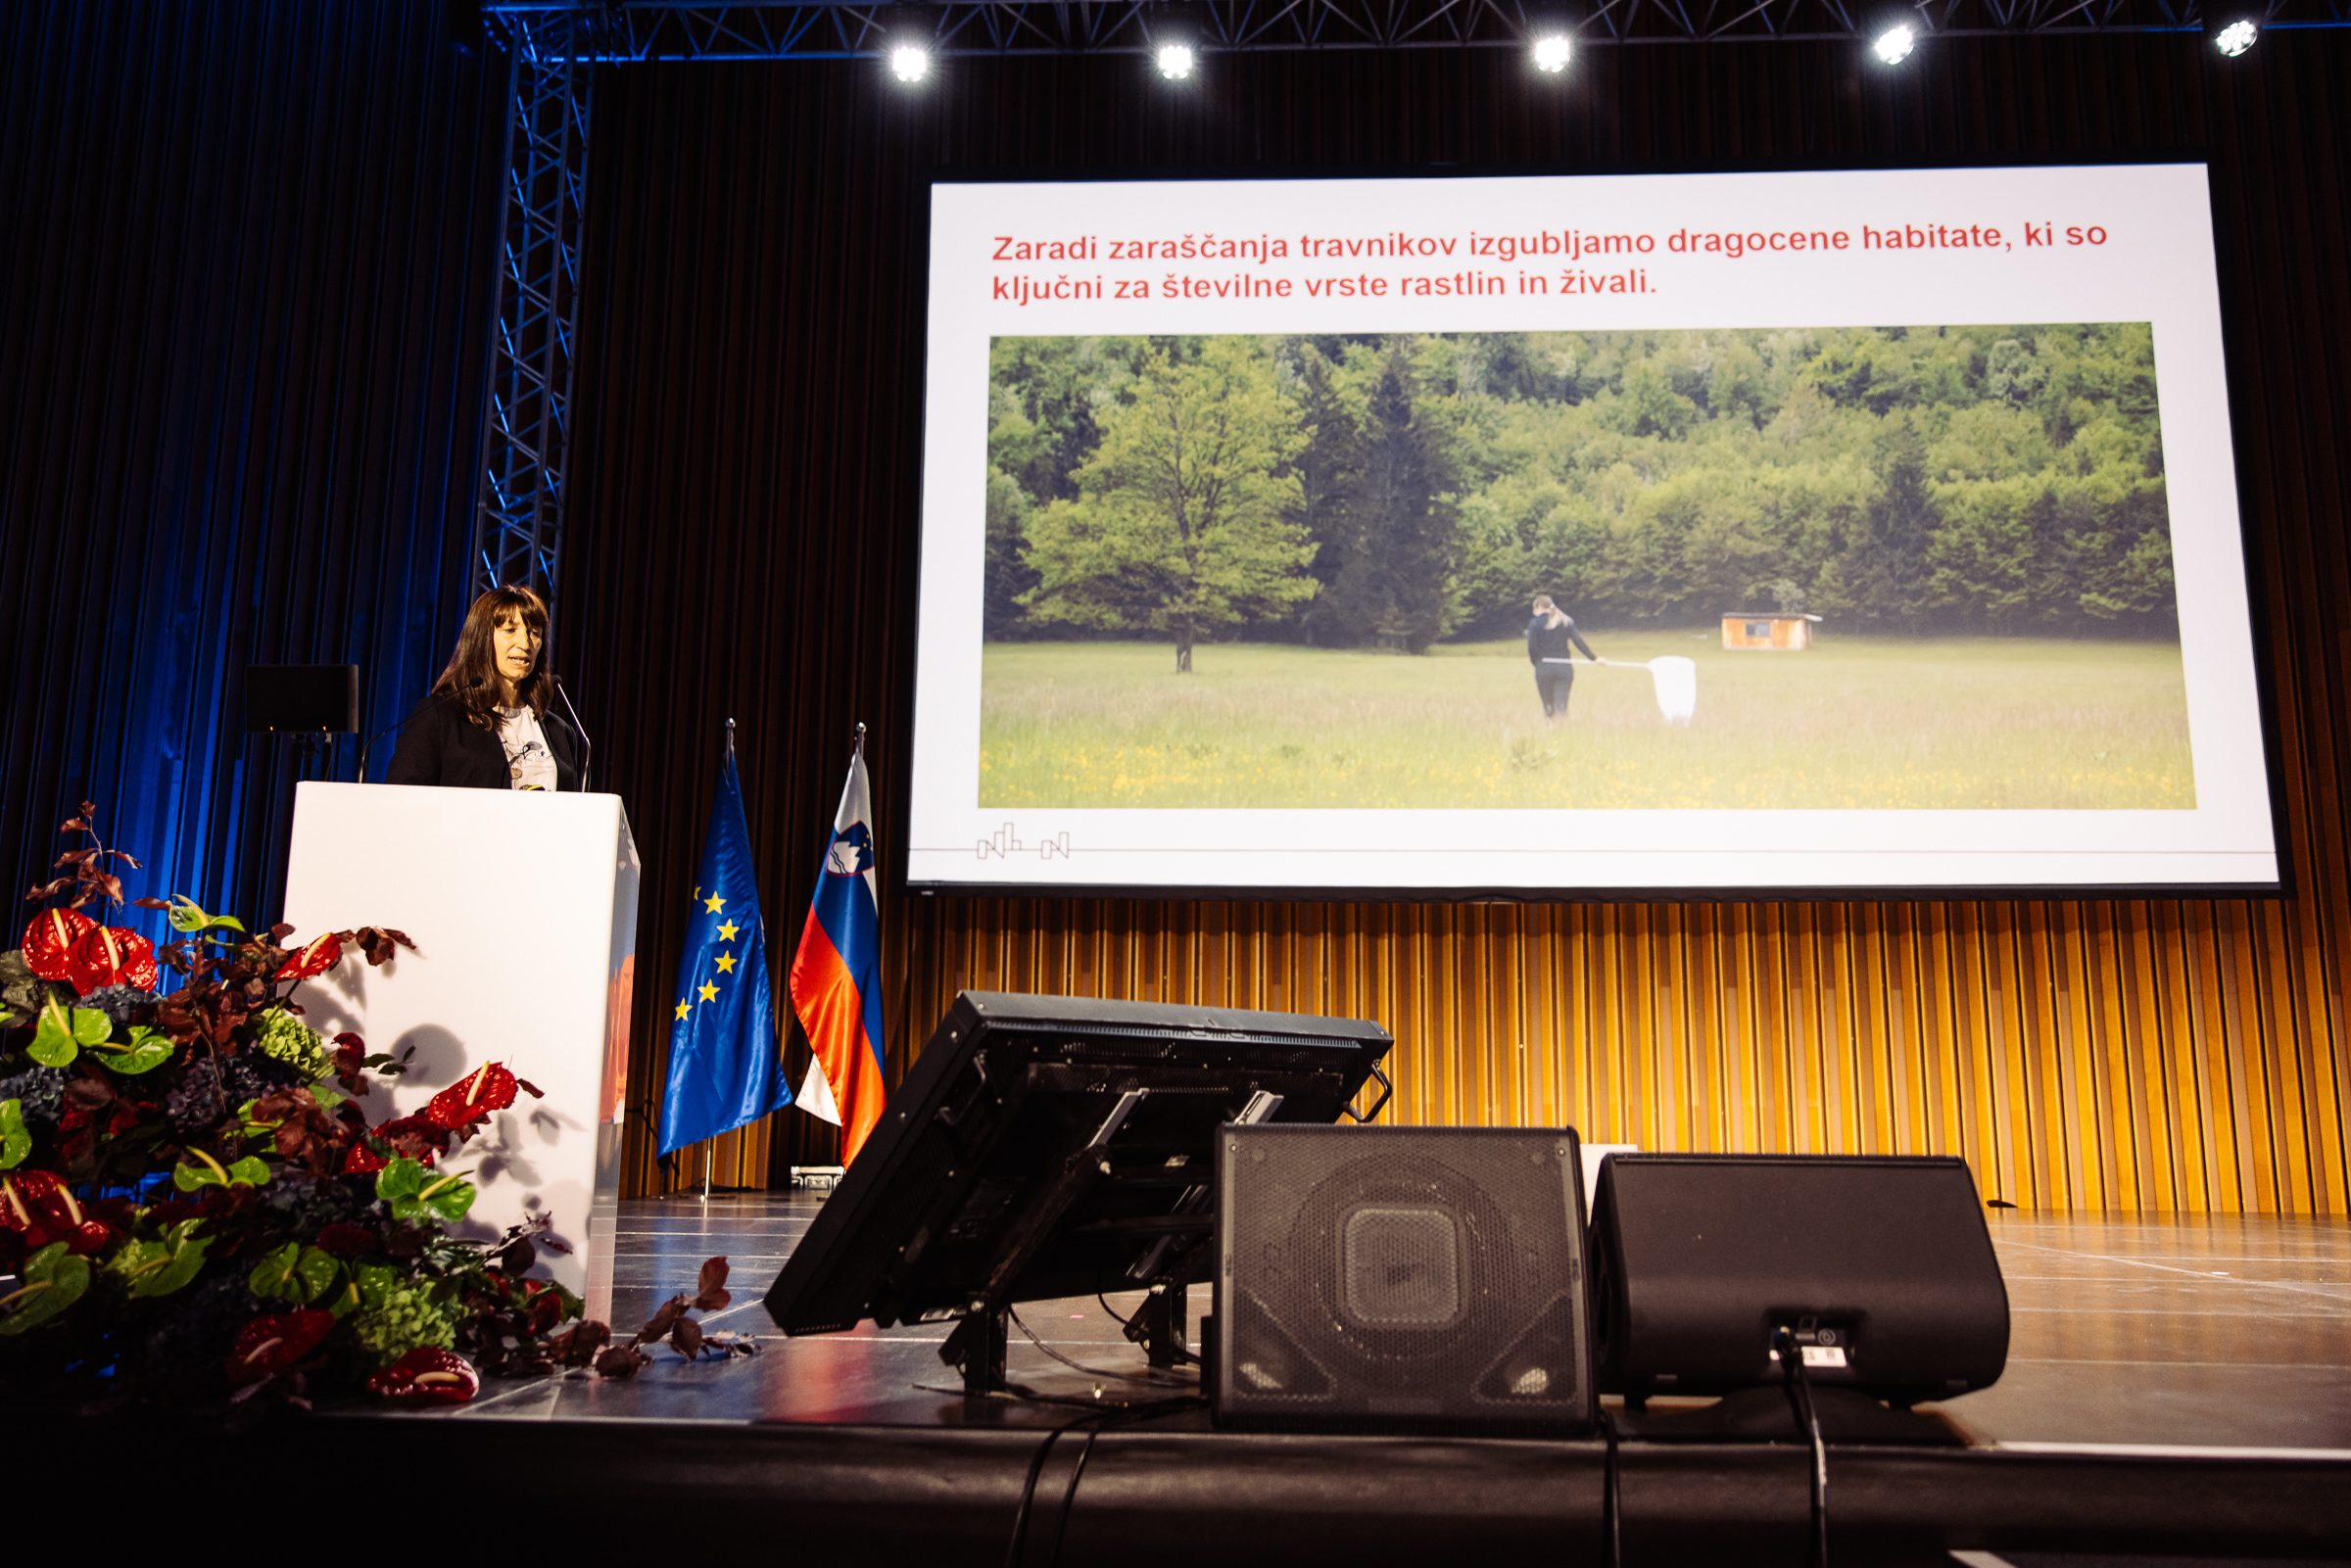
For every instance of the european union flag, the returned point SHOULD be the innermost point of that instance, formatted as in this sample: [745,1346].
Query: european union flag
[726,1067]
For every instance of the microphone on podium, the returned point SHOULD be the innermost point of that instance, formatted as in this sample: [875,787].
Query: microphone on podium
[587,746]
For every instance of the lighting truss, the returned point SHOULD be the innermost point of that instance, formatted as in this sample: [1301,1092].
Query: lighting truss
[817,29]
[553,47]
[518,521]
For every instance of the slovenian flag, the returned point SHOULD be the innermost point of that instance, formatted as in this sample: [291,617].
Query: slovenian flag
[725,1065]
[837,975]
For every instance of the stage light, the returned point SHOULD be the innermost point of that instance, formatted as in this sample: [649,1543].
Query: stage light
[910,62]
[1552,50]
[1174,60]
[1895,45]
[2236,38]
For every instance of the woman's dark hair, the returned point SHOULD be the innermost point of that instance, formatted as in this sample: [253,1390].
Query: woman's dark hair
[470,679]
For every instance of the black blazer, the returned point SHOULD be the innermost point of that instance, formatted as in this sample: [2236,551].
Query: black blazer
[440,745]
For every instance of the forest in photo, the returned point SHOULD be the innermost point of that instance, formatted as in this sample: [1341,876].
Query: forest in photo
[1396,491]
[1294,571]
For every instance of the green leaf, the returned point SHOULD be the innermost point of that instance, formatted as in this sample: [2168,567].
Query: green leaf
[344,1299]
[418,1193]
[91,1026]
[15,1142]
[293,1273]
[249,1170]
[148,1050]
[53,1043]
[54,1280]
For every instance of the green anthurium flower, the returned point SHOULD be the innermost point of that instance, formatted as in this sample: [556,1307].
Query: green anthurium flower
[147,1050]
[416,1193]
[62,1032]
[188,916]
[15,1140]
[54,1280]
[160,1267]
[212,1173]
[294,1273]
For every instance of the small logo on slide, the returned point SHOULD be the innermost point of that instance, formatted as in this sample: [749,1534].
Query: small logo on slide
[852,852]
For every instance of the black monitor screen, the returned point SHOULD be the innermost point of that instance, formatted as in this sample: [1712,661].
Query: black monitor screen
[1045,1147]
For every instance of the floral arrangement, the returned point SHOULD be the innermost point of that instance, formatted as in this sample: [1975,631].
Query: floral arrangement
[194,1204]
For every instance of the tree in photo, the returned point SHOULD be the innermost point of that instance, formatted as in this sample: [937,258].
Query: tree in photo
[1184,522]
[1396,584]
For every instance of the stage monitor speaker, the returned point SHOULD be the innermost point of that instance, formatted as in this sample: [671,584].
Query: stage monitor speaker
[1400,1279]
[312,697]
[1881,1266]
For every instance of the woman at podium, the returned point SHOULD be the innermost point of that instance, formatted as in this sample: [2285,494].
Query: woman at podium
[485,724]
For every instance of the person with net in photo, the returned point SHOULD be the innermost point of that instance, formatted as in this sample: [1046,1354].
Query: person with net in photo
[1550,637]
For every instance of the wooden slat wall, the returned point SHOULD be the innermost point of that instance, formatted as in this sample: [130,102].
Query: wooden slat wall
[747,511]
[2078,1056]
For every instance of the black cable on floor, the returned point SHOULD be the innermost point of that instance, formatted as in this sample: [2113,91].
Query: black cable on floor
[1037,1467]
[1798,1386]
[1612,1495]
[1111,1418]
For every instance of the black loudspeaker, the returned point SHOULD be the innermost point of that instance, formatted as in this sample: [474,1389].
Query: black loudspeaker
[316,697]
[1882,1268]
[1400,1279]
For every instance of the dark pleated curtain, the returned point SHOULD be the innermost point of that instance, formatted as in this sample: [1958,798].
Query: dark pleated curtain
[243,298]
[744,517]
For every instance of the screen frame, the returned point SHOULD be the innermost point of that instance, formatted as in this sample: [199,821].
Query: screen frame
[2254,560]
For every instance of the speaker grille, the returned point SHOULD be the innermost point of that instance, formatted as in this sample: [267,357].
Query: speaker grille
[1400,1279]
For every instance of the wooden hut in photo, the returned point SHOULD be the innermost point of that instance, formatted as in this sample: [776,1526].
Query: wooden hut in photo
[1769,631]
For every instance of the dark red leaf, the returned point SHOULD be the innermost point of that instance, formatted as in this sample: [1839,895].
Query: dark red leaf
[578,1345]
[658,1326]
[151,903]
[710,1291]
[687,1338]
[621,1360]
[349,1240]
[530,1088]
[74,825]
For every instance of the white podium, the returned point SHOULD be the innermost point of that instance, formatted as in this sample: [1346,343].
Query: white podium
[523,909]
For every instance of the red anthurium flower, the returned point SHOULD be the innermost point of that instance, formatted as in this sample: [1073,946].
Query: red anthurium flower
[315,957]
[106,955]
[41,1208]
[473,1097]
[361,1161]
[277,1341]
[427,1376]
[50,939]
[349,1240]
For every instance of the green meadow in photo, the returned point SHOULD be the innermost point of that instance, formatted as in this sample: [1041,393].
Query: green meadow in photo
[1862,723]
[1296,571]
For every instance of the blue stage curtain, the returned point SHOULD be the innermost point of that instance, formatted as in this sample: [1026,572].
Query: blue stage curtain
[242,303]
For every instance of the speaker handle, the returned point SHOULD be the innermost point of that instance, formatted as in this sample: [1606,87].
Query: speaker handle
[1386,1089]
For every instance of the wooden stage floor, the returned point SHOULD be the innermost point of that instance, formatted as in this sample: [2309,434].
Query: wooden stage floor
[2188,1332]
[2177,1390]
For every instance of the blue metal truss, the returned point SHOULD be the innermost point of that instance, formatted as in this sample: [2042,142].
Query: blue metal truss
[518,521]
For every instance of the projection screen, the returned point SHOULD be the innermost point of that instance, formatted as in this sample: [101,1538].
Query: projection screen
[1733,533]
